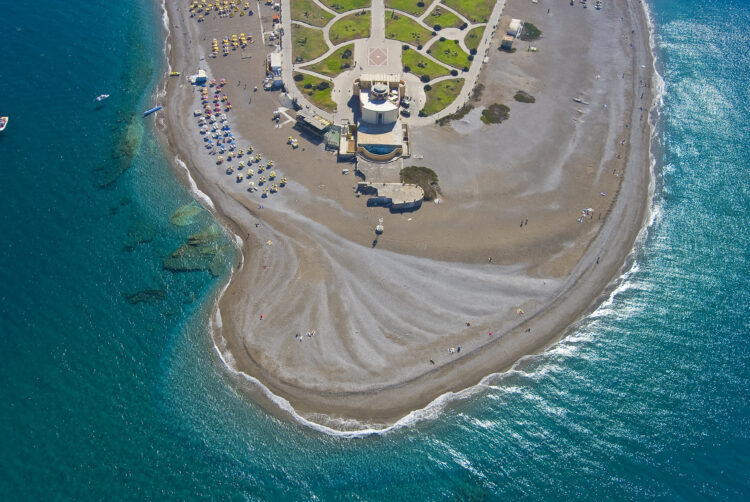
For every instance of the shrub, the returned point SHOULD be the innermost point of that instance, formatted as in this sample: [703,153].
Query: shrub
[495,114]
[419,47]
[464,26]
[454,73]
[427,87]
[299,77]
[442,39]
[308,85]
[524,97]
[323,86]
[346,54]
[407,69]
[420,4]
[473,52]
[530,32]
[404,47]
[465,68]
[425,78]
[470,58]
[437,27]
[423,177]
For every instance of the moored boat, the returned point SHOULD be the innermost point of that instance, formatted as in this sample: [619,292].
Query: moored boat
[102,97]
[3,123]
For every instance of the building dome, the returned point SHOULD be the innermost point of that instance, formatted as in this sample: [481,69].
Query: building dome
[379,91]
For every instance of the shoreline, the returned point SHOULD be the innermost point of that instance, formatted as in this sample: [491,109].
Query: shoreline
[306,402]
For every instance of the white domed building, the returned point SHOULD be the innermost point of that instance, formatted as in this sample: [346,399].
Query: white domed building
[380,134]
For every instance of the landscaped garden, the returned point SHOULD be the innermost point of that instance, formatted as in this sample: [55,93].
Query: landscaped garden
[317,90]
[339,61]
[345,5]
[405,29]
[474,37]
[476,11]
[441,95]
[309,12]
[307,43]
[416,63]
[449,52]
[442,18]
[350,27]
[414,7]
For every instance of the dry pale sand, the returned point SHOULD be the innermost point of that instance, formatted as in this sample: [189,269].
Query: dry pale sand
[386,315]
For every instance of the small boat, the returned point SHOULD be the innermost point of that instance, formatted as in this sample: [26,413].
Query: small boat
[152,110]
[174,74]
[102,97]
[3,123]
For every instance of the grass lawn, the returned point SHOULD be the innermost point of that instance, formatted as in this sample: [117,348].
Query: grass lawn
[476,11]
[441,95]
[474,37]
[420,65]
[340,60]
[410,6]
[308,12]
[450,53]
[350,27]
[309,87]
[405,29]
[443,17]
[308,43]
[345,5]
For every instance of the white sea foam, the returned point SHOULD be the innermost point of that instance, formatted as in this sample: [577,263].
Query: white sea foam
[194,187]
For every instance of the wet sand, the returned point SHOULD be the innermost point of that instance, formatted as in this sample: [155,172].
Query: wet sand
[387,311]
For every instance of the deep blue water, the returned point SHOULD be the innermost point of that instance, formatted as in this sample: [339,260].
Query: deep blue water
[648,398]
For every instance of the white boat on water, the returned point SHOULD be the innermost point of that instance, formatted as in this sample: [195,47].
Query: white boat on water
[3,123]
[102,97]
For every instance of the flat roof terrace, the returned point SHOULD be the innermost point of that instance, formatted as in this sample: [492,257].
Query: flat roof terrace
[399,193]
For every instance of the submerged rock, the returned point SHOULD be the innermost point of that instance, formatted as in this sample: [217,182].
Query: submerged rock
[208,235]
[185,215]
[123,152]
[146,295]
[140,232]
[203,251]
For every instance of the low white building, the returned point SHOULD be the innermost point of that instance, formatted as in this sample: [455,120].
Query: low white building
[514,29]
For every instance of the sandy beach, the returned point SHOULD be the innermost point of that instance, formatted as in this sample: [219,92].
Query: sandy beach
[501,268]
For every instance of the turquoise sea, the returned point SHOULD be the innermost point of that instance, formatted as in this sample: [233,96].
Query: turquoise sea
[104,398]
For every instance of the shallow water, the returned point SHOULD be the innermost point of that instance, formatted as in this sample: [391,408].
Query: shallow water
[104,399]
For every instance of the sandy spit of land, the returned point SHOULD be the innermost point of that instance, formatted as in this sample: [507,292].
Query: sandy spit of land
[386,313]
